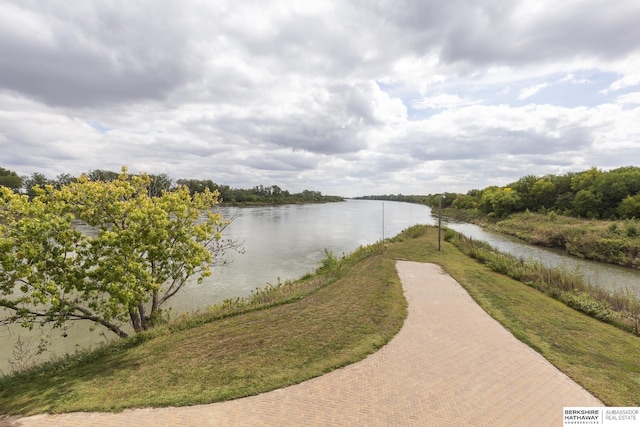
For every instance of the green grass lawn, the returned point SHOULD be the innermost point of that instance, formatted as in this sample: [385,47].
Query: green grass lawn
[330,324]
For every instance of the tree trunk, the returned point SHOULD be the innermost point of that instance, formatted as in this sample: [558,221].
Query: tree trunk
[135,320]
[143,315]
[154,303]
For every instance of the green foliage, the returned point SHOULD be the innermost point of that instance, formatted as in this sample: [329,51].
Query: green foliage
[631,228]
[412,232]
[466,201]
[397,198]
[586,303]
[585,204]
[449,234]
[544,192]
[258,195]
[337,325]
[630,207]
[144,250]
[102,175]
[32,182]
[593,193]
[612,242]
[329,263]
[10,179]
[500,201]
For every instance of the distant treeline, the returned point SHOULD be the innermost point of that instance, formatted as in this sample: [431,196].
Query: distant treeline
[592,194]
[259,194]
[396,198]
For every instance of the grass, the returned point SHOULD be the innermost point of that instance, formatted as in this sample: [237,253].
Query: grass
[245,349]
[234,356]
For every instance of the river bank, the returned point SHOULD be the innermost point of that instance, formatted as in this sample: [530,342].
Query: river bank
[227,356]
[280,243]
[612,242]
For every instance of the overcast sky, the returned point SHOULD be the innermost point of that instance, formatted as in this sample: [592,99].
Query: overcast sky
[347,97]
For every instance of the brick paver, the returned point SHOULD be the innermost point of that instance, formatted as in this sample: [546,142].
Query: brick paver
[450,365]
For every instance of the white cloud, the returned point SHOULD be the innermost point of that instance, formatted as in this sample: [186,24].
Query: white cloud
[528,92]
[632,98]
[397,95]
[571,78]
[443,100]
[631,79]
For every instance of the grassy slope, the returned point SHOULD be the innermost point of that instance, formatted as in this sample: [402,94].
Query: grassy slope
[232,357]
[339,324]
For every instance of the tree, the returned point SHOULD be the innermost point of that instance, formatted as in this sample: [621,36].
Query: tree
[501,201]
[63,179]
[630,207]
[584,180]
[585,204]
[10,179]
[524,187]
[198,185]
[159,183]
[544,193]
[102,175]
[33,181]
[144,251]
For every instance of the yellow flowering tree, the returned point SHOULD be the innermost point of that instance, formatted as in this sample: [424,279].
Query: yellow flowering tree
[500,201]
[144,250]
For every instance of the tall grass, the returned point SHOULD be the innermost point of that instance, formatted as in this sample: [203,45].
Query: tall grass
[621,309]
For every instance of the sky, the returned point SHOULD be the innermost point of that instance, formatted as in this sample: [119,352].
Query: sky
[348,98]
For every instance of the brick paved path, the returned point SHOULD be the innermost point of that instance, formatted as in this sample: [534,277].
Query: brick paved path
[450,365]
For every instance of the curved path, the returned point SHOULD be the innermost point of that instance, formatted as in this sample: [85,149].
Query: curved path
[450,365]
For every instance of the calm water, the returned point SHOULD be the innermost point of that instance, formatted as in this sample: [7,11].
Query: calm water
[605,275]
[285,242]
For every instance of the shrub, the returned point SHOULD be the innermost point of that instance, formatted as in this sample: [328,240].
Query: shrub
[414,232]
[586,303]
[631,228]
[329,263]
[448,234]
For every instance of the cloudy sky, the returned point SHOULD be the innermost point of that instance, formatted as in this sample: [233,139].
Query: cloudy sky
[345,97]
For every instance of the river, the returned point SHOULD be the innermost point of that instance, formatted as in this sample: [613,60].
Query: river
[286,242]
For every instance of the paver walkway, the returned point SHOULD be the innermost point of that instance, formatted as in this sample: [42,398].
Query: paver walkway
[450,365]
